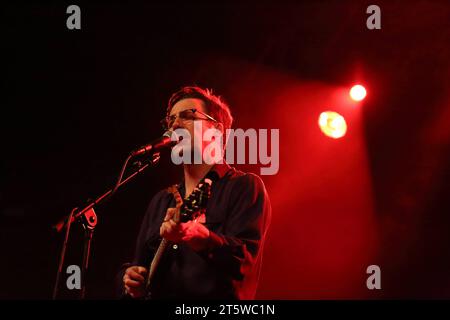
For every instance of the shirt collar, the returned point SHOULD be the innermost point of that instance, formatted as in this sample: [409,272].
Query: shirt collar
[221,169]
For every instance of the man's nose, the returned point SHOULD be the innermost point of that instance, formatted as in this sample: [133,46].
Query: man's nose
[176,124]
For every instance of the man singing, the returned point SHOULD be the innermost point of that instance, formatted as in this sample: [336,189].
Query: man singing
[219,256]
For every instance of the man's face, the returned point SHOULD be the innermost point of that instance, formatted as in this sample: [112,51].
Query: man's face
[188,124]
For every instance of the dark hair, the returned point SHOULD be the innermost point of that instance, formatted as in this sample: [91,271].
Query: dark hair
[215,107]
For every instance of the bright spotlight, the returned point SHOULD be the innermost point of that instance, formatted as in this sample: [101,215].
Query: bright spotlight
[358,92]
[332,124]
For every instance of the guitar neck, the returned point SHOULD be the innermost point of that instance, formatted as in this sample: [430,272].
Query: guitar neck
[156,260]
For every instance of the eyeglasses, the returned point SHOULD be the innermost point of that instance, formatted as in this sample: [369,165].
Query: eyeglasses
[185,115]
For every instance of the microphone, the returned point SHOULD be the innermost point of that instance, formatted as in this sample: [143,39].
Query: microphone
[168,139]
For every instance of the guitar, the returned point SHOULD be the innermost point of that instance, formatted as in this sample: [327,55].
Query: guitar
[189,209]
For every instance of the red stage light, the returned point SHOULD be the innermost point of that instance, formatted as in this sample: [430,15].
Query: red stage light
[358,92]
[332,124]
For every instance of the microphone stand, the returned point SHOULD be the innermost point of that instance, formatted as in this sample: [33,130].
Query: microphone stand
[88,219]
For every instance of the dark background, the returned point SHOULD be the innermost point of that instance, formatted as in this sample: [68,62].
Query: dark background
[75,102]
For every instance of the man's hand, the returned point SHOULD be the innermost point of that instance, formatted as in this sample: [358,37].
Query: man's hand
[195,234]
[134,281]
[169,229]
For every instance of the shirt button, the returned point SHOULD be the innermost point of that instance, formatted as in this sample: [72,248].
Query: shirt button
[175,247]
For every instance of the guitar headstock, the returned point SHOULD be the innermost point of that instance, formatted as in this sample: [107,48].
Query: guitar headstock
[195,204]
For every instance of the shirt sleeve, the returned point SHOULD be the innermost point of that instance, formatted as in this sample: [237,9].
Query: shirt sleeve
[237,248]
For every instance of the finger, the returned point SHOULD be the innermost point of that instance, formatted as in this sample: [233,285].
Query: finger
[177,227]
[171,226]
[132,283]
[142,270]
[170,213]
[165,230]
[134,293]
[183,227]
[175,232]
[127,289]
[186,238]
[172,235]
[131,270]
[178,199]
[133,275]
[168,223]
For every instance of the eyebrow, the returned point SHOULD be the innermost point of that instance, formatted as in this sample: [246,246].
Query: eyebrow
[188,109]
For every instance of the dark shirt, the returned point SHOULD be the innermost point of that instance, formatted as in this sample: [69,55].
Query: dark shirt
[237,215]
